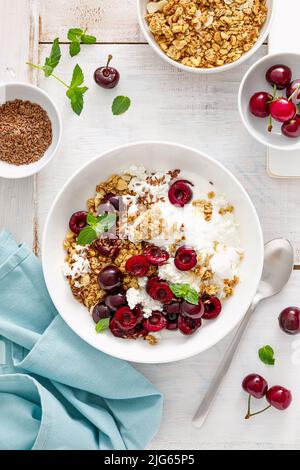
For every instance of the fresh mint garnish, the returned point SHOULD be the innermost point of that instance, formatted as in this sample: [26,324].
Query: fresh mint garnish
[53,60]
[96,226]
[184,291]
[120,105]
[77,37]
[266,355]
[102,325]
[75,90]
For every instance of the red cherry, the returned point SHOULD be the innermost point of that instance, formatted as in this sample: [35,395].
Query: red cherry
[156,322]
[212,307]
[279,75]
[187,325]
[185,258]
[255,385]
[161,291]
[191,310]
[78,221]
[295,85]
[260,104]
[107,77]
[152,281]
[180,193]
[282,109]
[279,397]
[292,128]
[289,320]
[137,265]
[155,255]
[127,319]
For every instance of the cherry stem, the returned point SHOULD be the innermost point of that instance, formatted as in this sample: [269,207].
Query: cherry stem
[275,92]
[109,59]
[294,92]
[270,127]
[249,415]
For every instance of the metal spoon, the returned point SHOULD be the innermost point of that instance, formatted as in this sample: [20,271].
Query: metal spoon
[278,266]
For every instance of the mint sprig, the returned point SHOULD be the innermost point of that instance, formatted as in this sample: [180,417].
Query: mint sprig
[266,355]
[53,60]
[95,227]
[184,291]
[102,325]
[77,37]
[75,90]
[120,105]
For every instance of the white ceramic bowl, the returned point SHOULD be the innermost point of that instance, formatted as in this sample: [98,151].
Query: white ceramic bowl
[24,91]
[255,81]
[142,10]
[156,156]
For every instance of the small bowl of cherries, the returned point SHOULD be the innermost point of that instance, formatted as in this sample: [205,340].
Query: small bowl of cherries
[269,101]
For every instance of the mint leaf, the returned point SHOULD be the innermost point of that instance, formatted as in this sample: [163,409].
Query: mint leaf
[86,39]
[102,325]
[77,78]
[74,34]
[266,355]
[53,60]
[92,220]
[192,297]
[86,236]
[120,105]
[78,36]
[74,48]
[184,291]
[75,92]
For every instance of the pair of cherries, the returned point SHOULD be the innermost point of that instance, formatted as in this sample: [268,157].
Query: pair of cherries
[282,109]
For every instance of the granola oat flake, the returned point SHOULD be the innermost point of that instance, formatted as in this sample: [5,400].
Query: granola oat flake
[206,33]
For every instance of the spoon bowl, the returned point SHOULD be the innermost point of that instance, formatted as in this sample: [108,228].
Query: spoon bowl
[278,266]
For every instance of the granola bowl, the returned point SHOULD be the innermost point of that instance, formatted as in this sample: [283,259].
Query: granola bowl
[154,290]
[198,37]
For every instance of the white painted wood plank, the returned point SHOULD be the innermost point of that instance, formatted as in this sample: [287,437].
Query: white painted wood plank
[167,105]
[17,197]
[109,20]
[185,383]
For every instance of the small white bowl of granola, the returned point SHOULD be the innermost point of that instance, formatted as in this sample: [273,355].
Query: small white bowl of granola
[166,251]
[205,37]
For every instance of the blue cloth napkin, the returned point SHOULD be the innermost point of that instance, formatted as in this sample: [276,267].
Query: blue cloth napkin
[56,391]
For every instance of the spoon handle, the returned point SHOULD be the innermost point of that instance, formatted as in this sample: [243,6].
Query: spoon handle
[204,408]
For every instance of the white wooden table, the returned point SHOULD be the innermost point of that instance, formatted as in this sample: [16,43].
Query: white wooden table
[199,111]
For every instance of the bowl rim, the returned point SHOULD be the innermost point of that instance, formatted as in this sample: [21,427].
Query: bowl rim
[42,162]
[295,144]
[189,352]
[200,70]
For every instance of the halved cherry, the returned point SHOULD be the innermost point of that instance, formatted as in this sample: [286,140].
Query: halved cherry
[185,258]
[180,193]
[155,255]
[187,325]
[156,322]
[137,265]
[212,307]
[161,291]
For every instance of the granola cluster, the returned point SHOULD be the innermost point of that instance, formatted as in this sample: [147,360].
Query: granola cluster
[206,33]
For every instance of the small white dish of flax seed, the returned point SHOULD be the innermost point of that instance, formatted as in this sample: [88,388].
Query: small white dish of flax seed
[30,130]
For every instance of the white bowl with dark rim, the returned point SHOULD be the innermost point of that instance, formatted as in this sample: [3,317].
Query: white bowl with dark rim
[255,81]
[156,156]
[27,92]
[142,11]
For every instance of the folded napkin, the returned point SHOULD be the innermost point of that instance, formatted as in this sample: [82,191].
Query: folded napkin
[56,391]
